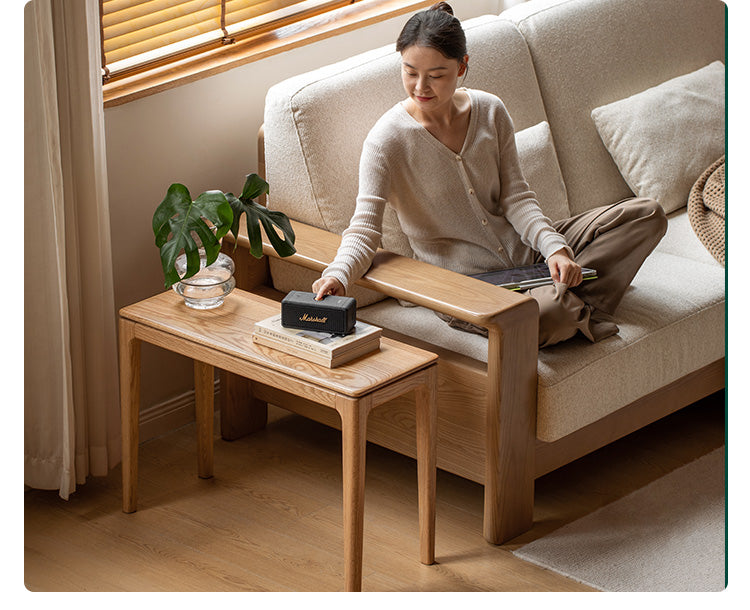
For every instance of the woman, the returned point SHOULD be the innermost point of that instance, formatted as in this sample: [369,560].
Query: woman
[445,158]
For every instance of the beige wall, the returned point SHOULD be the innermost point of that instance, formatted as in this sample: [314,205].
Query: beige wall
[202,134]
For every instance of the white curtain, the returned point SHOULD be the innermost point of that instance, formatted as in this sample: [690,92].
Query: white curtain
[71,398]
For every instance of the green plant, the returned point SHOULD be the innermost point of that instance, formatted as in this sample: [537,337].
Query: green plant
[178,221]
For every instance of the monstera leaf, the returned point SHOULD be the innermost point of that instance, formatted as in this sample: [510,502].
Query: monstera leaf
[257,215]
[178,217]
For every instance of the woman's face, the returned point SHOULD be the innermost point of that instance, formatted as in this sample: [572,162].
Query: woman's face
[429,77]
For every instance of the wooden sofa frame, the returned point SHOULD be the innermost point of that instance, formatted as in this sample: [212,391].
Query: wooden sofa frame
[486,414]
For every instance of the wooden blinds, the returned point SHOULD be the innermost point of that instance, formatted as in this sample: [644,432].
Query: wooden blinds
[139,34]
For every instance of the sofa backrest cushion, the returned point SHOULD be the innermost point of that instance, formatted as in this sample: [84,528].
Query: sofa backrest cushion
[588,53]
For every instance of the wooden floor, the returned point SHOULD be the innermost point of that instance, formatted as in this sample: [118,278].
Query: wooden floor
[270,520]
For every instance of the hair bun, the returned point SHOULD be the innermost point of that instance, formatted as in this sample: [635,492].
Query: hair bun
[442,6]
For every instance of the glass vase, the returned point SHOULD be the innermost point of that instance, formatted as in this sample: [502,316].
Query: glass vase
[207,288]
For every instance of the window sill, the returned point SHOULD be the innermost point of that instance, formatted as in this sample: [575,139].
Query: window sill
[259,47]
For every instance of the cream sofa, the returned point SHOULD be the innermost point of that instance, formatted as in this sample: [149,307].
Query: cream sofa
[509,413]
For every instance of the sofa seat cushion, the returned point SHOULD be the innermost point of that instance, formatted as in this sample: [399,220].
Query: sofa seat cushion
[671,321]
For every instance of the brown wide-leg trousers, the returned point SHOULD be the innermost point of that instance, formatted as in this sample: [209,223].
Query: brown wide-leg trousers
[614,240]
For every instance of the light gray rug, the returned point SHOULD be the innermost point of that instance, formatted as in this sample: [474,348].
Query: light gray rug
[667,536]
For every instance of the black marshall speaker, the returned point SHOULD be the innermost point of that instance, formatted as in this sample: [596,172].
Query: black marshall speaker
[331,314]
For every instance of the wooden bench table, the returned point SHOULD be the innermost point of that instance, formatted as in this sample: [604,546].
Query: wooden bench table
[222,338]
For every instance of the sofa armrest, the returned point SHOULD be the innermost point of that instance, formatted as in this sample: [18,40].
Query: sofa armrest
[404,278]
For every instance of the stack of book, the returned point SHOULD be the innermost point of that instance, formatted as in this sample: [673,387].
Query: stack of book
[322,348]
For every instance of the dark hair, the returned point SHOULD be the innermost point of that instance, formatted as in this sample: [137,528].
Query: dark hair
[436,28]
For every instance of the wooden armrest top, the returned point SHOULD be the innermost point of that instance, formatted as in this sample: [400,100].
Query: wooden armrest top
[404,278]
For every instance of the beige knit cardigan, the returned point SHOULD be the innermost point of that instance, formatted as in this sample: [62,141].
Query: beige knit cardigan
[470,211]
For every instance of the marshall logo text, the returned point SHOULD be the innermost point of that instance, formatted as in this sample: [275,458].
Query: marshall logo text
[308,318]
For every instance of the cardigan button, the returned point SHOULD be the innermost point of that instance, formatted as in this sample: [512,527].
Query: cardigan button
[458,157]
[484,221]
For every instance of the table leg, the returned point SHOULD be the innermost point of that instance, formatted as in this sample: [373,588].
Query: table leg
[354,443]
[241,412]
[130,394]
[426,405]
[204,417]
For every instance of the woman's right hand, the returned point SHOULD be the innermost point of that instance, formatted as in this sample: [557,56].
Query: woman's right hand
[327,285]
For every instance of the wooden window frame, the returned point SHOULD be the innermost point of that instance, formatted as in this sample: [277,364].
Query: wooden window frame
[253,47]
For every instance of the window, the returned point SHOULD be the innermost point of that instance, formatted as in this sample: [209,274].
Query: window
[152,44]
[138,34]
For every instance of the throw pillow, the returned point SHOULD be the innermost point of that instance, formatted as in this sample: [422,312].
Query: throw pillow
[663,138]
[536,153]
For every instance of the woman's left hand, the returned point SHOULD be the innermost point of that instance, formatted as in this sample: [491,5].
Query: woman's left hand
[563,269]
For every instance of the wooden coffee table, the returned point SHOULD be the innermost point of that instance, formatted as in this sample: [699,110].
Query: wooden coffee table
[222,338]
